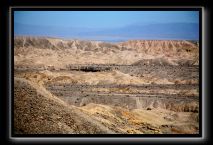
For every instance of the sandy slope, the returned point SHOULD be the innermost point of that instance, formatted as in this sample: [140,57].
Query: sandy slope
[38,111]
[142,121]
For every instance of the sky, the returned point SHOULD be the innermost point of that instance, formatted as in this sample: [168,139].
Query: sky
[108,24]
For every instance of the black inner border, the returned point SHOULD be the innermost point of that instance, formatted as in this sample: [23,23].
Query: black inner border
[105,8]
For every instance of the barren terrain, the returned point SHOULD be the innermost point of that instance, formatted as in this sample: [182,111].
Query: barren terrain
[93,87]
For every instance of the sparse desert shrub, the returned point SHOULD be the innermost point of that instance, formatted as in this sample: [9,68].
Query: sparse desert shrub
[148,108]
[84,104]
[176,82]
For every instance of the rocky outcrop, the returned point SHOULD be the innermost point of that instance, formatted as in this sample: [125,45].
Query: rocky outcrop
[161,46]
[81,95]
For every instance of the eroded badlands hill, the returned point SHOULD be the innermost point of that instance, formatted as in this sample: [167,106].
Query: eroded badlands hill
[60,53]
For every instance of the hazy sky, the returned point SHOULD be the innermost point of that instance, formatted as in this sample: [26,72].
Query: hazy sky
[97,20]
[103,19]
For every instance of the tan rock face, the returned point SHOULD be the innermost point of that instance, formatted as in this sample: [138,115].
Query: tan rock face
[168,49]
[93,52]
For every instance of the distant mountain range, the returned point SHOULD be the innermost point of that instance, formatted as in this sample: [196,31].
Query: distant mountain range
[160,31]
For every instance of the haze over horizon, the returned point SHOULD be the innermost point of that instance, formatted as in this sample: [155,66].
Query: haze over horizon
[109,25]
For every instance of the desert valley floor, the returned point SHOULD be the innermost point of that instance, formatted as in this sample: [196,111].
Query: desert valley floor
[92,87]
